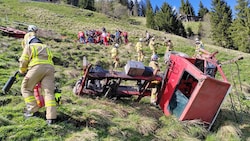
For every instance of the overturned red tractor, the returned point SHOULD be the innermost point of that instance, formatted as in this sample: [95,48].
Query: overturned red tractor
[188,88]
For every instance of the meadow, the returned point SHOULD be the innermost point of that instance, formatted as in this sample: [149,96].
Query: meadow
[96,118]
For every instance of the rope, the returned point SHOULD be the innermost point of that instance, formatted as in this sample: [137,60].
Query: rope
[238,95]
[231,99]
[238,72]
[234,83]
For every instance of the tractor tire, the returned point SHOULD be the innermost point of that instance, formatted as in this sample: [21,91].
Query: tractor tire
[77,85]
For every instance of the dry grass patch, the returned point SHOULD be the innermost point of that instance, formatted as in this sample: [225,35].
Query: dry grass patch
[229,131]
[121,110]
[101,112]
[147,126]
[85,135]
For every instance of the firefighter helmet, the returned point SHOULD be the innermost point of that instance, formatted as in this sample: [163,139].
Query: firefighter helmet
[116,45]
[154,57]
[32,28]
[197,41]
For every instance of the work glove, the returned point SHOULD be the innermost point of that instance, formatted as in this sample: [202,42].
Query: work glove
[58,96]
[22,73]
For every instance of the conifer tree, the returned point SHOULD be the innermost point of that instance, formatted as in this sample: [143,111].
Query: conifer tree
[149,15]
[240,29]
[190,9]
[202,10]
[156,9]
[142,8]
[131,7]
[182,7]
[186,8]
[221,19]
[86,4]
[166,19]
[123,2]
[136,8]
[90,5]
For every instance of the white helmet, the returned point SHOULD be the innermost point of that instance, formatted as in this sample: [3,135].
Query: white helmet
[154,57]
[116,45]
[197,41]
[32,28]
[140,39]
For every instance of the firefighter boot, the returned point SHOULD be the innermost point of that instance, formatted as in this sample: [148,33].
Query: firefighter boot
[28,114]
[50,121]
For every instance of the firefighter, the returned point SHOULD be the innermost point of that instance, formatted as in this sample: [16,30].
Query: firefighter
[114,56]
[37,66]
[147,37]
[170,46]
[200,51]
[154,64]
[32,29]
[152,45]
[139,50]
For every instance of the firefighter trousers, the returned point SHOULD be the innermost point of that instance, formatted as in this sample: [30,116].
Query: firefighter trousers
[140,56]
[43,73]
[153,97]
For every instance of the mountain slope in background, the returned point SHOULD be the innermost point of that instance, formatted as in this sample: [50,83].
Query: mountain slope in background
[95,118]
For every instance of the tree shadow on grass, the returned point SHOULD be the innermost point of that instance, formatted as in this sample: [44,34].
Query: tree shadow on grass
[5,101]
[241,119]
[102,123]
[95,123]
[67,119]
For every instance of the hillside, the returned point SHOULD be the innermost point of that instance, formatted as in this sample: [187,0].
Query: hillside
[96,118]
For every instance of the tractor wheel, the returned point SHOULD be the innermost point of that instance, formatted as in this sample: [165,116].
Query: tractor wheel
[77,85]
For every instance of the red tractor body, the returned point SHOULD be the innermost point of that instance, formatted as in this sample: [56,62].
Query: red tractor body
[191,91]
[189,88]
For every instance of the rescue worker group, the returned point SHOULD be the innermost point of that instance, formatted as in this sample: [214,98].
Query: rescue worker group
[37,67]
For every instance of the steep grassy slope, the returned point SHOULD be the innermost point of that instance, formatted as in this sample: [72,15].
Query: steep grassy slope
[95,118]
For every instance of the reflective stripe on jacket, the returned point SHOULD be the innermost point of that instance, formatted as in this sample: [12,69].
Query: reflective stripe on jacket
[34,54]
[155,66]
[26,38]
[138,46]
[114,52]
[151,45]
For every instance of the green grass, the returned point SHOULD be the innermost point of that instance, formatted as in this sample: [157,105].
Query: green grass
[96,118]
[193,25]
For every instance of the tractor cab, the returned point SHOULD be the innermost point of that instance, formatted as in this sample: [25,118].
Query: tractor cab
[190,89]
